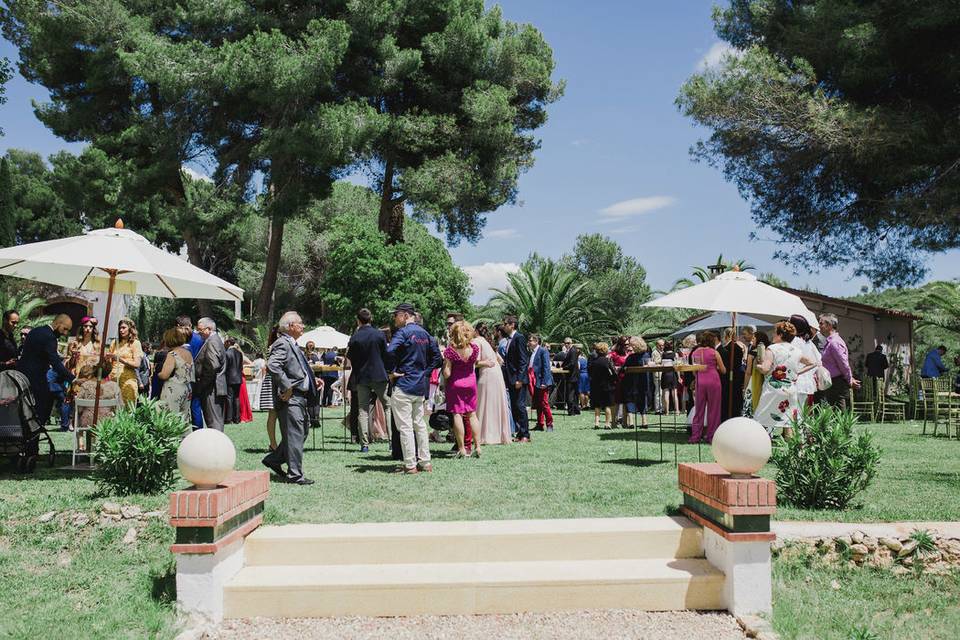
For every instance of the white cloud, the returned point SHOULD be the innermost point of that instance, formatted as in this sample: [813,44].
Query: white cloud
[579,142]
[628,208]
[196,175]
[486,276]
[714,56]
[501,233]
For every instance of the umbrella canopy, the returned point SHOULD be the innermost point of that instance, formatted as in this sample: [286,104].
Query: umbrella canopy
[324,337]
[738,292]
[720,320]
[86,262]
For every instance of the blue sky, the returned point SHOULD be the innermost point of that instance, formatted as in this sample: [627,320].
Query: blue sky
[614,158]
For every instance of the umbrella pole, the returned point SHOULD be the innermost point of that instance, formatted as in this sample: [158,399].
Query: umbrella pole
[103,344]
[733,340]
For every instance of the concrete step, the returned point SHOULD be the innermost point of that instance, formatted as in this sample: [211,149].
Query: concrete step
[483,541]
[472,588]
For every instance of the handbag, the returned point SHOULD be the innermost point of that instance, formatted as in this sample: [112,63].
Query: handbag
[822,378]
[441,420]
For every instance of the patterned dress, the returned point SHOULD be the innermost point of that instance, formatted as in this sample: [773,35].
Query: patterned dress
[176,389]
[126,376]
[778,400]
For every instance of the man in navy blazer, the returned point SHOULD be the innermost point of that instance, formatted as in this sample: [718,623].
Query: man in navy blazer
[517,364]
[39,355]
[542,381]
[367,353]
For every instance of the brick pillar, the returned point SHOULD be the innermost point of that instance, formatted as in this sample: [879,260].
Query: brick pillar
[735,514]
[211,525]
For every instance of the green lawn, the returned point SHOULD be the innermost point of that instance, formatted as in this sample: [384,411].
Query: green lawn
[83,581]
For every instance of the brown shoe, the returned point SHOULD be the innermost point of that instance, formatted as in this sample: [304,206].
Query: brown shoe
[427,468]
[404,470]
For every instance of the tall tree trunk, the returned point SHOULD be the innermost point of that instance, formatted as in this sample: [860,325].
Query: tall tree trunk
[264,309]
[390,220]
[193,256]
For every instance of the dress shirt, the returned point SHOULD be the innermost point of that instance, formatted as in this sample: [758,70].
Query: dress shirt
[836,358]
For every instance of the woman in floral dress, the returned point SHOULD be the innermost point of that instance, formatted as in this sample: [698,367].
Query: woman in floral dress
[782,364]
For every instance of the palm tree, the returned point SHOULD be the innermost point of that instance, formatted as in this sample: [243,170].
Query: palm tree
[553,301]
[25,304]
[942,308]
[703,274]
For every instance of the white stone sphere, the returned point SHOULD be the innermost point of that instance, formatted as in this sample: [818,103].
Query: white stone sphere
[206,457]
[741,446]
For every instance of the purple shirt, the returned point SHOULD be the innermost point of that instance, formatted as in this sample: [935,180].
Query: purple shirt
[836,358]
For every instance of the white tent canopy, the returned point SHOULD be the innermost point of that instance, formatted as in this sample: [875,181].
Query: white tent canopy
[85,262]
[324,338]
[738,292]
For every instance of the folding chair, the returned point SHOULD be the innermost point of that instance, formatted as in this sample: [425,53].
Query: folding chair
[78,431]
[865,407]
[895,410]
[946,405]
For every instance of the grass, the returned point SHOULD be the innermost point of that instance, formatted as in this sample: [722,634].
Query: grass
[869,603]
[84,582]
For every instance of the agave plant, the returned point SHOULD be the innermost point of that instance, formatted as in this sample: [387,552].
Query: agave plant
[553,301]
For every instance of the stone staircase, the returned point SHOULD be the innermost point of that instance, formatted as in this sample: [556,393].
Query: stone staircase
[447,568]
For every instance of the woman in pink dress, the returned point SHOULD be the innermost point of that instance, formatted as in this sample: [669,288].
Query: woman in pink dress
[459,359]
[707,392]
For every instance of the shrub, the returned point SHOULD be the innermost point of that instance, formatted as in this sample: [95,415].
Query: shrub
[136,449]
[825,463]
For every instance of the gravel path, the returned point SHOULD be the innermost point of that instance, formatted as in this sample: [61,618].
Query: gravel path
[578,625]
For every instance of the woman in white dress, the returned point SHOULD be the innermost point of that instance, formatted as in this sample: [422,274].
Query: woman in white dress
[492,411]
[806,382]
[782,364]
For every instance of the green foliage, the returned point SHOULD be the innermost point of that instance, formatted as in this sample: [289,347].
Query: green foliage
[8,212]
[5,74]
[825,463]
[845,146]
[619,280]
[553,301]
[136,449]
[25,302]
[360,269]
[863,633]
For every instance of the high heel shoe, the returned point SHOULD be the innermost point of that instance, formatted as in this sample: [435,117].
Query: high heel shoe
[475,454]
[460,454]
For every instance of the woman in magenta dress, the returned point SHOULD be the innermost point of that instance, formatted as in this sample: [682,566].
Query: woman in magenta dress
[708,390]
[618,357]
[459,361]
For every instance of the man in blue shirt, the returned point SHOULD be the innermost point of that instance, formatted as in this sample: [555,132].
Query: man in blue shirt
[196,342]
[933,366]
[413,354]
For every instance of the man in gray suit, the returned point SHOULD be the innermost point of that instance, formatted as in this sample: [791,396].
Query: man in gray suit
[210,369]
[294,391]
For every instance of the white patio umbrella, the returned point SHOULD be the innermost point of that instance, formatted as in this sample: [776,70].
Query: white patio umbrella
[736,292]
[114,260]
[324,337]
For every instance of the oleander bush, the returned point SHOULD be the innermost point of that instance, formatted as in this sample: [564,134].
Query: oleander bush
[826,462]
[136,449]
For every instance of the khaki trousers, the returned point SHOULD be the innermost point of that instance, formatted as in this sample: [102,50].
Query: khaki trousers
[408,420]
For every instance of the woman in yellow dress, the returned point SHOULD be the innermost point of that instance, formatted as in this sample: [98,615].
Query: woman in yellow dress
[126,352]
[85,349]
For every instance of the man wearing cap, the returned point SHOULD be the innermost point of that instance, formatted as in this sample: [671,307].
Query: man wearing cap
[413,354]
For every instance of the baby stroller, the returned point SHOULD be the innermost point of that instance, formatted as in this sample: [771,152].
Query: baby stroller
[20,431]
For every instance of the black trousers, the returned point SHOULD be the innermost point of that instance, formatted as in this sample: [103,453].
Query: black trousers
[573,394]
[728,410]
[231,409]
[836,395]
[327,398]
[518,406]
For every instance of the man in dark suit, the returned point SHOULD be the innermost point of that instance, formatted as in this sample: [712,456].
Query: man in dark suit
[367,353]
[38,356]
[571,364]
[294,392]
[877,365]
[542,382]
[517,362]
[234,375]
[210,369]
